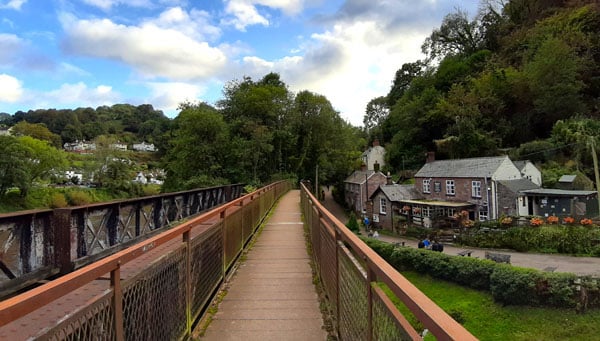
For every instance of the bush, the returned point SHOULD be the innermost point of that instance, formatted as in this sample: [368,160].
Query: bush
[352,224]
[78,198]
[58,200]
[508,284]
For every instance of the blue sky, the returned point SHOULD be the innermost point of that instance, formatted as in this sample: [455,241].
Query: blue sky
[87,53]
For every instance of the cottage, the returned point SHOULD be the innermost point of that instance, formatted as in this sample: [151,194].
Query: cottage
[511,200]
[144,147]
[359,186]
[452,186]
[387,203]
[374,157]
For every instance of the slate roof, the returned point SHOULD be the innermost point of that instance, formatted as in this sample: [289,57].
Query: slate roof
[480,167]
[567,178]
[518,185]
[358,177]
[399,192]
[520,164]
[559,192]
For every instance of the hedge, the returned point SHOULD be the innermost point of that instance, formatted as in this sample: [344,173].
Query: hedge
[509,285]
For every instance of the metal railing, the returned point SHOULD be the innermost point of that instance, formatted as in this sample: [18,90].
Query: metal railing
[351,272]
[37,244]
[160,301]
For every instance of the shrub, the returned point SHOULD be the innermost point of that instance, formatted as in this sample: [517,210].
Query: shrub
[78,198]
[552,219]
[352,224]
[58,200]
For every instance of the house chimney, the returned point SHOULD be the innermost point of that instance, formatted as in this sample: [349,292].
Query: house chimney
[388,179]
[363,167]
[375,142]
[430,157]
[376,166]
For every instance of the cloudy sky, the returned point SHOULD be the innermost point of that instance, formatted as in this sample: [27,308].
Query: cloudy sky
[73,53]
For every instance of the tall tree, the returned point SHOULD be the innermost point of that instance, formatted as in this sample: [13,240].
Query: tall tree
[457,35]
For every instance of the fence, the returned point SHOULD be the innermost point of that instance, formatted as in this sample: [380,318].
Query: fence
[35,245]
[351,274]
[162,300]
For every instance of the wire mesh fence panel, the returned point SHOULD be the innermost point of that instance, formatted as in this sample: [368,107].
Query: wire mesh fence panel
[93,322]
[328,266]
[353,298]
[386,325]
[207,267]
[233,235]
[154,302]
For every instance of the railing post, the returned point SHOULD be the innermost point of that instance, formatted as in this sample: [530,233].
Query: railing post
[115,283]
[61,225]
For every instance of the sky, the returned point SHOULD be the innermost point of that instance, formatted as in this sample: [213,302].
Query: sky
[66,54]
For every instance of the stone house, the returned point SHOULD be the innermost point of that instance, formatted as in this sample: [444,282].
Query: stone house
[359,187]
[451,186]
[387,203]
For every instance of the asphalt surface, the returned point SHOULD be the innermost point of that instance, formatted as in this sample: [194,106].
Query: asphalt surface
[583,266]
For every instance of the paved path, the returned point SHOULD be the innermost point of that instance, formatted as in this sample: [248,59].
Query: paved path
[271,295]
[578,265]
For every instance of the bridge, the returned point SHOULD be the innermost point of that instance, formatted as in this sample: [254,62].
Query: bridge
[160,285]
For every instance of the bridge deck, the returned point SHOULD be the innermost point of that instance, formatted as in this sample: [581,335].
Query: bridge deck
[271,296]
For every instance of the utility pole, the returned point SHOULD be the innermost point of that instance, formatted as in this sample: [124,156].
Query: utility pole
[596,172]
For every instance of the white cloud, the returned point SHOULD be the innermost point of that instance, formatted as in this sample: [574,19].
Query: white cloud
[350,64]
[12,4]
[151,50]
[106,5]
[11,89]
[76,95]
[10,47]
[167,96]
[245,12]
[195,24]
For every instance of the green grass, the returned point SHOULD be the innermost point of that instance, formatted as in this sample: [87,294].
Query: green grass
[488,320]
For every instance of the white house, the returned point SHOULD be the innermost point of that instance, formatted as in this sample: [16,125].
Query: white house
[374,155]
[144,147]
[529,171]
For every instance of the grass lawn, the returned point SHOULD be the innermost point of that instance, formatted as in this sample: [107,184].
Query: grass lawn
[487,320]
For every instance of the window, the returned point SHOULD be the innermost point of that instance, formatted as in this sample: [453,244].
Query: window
[427,211]
[437,186]
[476,189]
[451,212]
[427,186]
[450,187]
[382,206]
[483,213]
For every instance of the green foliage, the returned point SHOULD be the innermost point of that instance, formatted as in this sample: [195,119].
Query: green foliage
[508,284]
[352,224]
[58,200]
[79,198]
[577,240]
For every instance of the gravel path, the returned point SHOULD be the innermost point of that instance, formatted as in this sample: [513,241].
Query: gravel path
[548,262]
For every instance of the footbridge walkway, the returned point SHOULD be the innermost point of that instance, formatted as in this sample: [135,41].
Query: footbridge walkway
[252,266]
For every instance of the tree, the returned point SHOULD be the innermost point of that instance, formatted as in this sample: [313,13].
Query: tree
[198,149]
[376,112]
[38,131]
[40,161]
[553,79]
[403,79]
[457,35]
[13,171]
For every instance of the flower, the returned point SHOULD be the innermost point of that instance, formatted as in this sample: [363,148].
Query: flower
[536,221]
[552,219]
[586,221]
[506,221]
[568,220]
[406,208]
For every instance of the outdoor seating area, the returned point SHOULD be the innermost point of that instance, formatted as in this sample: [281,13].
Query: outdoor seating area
[498,257]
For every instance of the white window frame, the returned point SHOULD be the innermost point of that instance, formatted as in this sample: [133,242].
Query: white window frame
[450,189]
[483,213]
[427,186]
[451,212]
[476,189]
[382,206]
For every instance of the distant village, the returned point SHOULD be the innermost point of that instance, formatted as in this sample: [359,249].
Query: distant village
[87,147]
